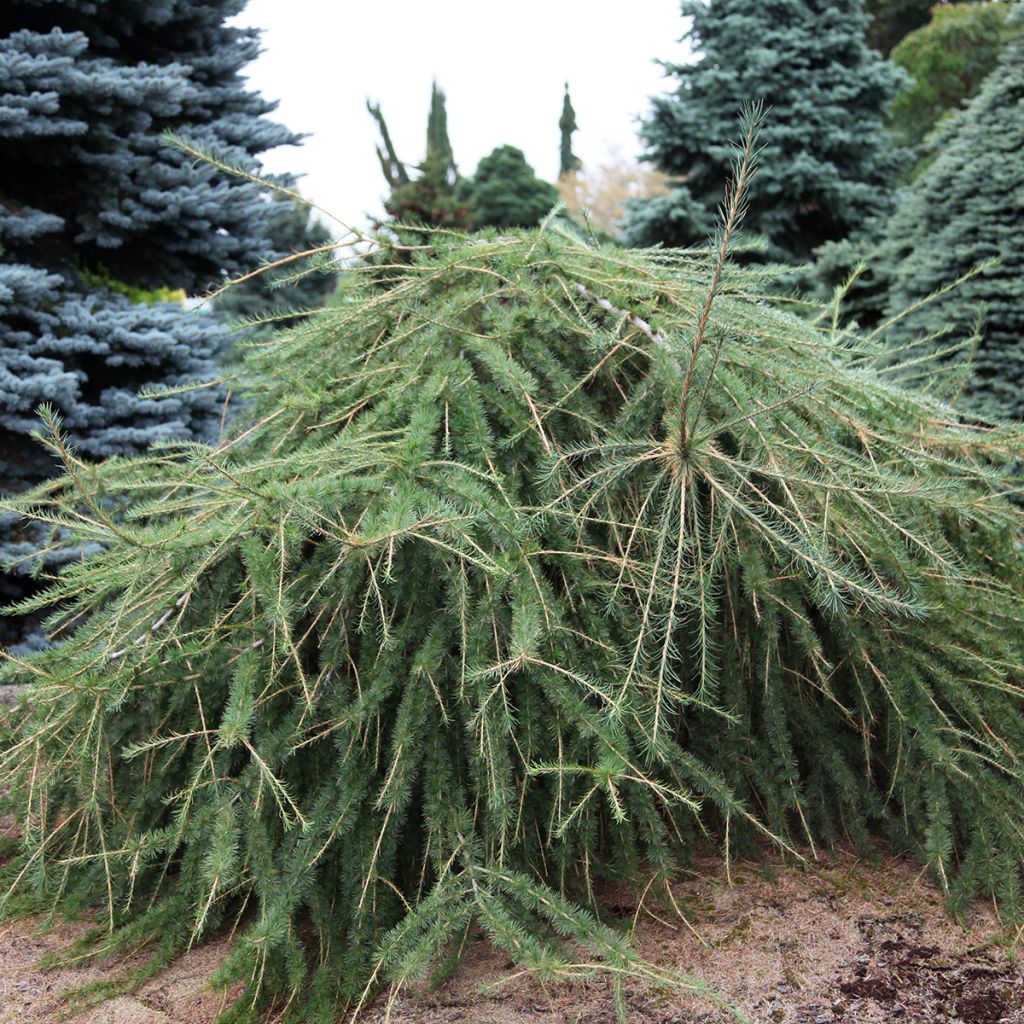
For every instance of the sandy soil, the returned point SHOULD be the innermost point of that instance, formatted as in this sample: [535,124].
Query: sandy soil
[181,995]
[836,942]
[9,695]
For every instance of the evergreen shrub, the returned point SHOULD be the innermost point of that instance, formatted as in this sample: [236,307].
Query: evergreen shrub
[946,62]
[534,565]
[505,191]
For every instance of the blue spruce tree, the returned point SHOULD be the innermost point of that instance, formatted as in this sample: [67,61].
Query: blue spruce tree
[829,160]
[965,211]
[100,219]
[262,304]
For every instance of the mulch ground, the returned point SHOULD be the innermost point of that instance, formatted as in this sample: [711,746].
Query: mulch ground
[836,941]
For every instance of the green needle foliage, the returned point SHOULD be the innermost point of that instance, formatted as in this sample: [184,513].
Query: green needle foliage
[505,192]
[965,212]
[568,162]
[534,565]
[946,62]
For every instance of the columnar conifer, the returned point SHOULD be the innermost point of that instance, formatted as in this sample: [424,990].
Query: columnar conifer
[440,158]
[568,162]
[433,197]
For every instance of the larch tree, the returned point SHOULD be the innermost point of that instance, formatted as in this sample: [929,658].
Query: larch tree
[829,160]
[529,566]
[275,299]
[99,217]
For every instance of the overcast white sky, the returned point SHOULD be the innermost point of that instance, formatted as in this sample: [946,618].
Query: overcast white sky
[501,65]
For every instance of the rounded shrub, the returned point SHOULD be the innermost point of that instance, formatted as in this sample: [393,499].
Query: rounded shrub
[532,565]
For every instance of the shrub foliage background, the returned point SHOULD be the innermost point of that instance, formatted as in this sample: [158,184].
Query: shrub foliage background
[946,62]
[966,210]
[534,564]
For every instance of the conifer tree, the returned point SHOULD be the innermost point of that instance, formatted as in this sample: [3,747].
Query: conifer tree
[889,21]
[568,162]
[435,197]
[966,209]
[946,62]
[829,160]
[505,192]
[440,158]
[100,219]
[393,168]
[532,564]
[267,298]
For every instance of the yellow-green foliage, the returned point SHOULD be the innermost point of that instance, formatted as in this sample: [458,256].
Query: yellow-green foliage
[142,296]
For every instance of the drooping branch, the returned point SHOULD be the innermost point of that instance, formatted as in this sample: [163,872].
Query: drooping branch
[638,322]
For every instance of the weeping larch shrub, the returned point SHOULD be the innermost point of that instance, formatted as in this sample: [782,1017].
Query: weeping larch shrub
[532,565]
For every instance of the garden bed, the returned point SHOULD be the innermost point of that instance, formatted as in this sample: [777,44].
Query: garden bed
[836,941]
